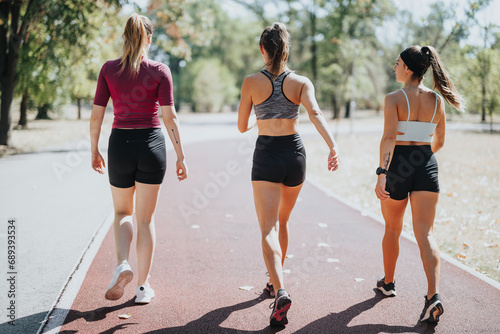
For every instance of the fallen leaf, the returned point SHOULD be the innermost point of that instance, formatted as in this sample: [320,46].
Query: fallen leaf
[490,245]
[246,287]
[465,245]
[461,256]
[124,316]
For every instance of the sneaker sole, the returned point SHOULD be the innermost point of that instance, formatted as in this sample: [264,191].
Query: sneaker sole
[117,290]
[143,301]
[433,312]
[279,317]
[390,293]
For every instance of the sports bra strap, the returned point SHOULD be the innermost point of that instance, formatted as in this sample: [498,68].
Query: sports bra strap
[435,107]
[408,103]
[267,74]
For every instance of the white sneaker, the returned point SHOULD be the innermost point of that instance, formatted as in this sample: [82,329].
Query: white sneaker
[121,277]
[144,294]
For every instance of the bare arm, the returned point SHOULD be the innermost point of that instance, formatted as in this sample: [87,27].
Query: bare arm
[95,131]
[172,125]
[245,109]
[439,133]
[308,99]
[387,143]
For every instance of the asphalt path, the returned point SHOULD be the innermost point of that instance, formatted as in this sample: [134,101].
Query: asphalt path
[207,248]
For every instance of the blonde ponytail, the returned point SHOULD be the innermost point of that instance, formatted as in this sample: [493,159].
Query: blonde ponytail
[135,43]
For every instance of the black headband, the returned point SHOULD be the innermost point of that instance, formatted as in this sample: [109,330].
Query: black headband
[405,56]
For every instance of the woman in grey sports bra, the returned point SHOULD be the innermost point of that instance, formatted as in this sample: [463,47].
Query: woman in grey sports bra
[414,130]
[279,160]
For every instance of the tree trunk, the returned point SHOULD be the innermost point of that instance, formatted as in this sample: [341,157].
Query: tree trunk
[483,100]
[23,119]
[314,49]
[335,106]
[43,112]
[9,52]
[79,103]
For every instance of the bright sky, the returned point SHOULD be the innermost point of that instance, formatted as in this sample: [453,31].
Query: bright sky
[420,9]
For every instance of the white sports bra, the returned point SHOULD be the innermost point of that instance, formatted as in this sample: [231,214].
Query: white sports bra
[416,130]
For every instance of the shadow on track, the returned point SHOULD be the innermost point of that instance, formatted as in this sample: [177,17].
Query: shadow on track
[338,322]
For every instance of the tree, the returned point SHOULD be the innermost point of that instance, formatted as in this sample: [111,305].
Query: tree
[64,20]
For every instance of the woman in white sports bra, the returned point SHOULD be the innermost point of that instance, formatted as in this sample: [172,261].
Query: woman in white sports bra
[414,129]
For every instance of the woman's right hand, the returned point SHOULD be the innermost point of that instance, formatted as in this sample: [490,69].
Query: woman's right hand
[380,191]
[181,171]
[98,162]
[333,160]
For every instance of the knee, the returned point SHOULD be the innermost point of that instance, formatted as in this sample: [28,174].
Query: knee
[392,231]
[145,222]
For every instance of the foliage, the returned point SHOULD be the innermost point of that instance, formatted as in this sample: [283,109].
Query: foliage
[213,86]
[54,26]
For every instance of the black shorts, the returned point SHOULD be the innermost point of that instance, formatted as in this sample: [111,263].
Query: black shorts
[279,159]
[136,155]
[413,168]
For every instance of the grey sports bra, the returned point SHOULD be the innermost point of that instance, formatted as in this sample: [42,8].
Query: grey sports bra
[277,105]
[416,130]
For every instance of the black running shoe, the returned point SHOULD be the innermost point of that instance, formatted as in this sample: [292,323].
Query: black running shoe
[387,289]
[280,307]
[433,309]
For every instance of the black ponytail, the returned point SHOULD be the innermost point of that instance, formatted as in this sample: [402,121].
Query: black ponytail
[275,40]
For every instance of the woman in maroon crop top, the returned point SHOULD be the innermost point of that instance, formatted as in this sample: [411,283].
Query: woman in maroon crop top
[138,87]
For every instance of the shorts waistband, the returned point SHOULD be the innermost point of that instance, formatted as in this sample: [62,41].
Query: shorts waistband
[137,134]
[410,148]
[279,142]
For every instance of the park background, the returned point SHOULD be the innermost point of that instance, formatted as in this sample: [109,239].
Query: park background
[51,53]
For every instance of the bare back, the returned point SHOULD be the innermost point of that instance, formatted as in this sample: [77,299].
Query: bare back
[422,103]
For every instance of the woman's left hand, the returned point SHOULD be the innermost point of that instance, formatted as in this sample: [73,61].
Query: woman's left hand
[333,161]
[182,172]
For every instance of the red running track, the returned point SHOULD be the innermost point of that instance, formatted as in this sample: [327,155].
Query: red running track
[208,246]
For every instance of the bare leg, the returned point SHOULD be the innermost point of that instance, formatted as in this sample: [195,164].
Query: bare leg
[123,202]
[288,199]
[393,212]
[146,199]
[423,208]
[267,197]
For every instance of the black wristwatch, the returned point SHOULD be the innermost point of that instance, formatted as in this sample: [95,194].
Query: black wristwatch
[380,170]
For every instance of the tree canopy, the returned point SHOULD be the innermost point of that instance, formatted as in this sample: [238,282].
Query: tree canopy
[51,51]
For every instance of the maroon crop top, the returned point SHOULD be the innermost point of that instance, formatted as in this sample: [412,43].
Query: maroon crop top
[135,100]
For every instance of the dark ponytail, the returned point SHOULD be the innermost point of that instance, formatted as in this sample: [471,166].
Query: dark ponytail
[419,59]
[275,40]
[442,80]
